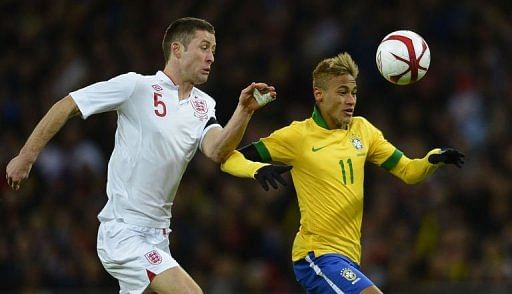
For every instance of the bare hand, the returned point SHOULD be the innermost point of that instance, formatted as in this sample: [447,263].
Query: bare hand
[247,100]
[17,171]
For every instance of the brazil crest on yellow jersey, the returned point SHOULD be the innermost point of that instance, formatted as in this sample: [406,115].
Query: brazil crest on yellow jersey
[328,174]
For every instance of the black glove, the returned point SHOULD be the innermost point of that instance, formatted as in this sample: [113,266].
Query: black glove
[448,156]
[271,174]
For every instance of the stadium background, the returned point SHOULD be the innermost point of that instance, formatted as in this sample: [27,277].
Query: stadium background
[450,234]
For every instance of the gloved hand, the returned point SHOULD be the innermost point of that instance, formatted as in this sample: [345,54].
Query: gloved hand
[448,156]
[271,174]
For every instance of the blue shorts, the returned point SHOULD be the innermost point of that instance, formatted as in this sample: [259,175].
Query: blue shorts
[330,273]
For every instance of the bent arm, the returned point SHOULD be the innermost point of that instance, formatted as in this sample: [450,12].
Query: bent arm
[413,171]
[218,143]
[19,167]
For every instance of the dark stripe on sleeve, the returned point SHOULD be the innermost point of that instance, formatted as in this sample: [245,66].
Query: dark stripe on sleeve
[392,161]
[256,152]
[263,151]
[210,122]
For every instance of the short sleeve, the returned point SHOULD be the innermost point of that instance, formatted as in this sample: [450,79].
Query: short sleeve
[282,145]
[210,123]
[381,152]
[105,96]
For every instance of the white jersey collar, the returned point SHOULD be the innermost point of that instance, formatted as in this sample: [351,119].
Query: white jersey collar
[165,80]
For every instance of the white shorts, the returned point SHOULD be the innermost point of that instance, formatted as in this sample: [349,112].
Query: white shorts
[134,254]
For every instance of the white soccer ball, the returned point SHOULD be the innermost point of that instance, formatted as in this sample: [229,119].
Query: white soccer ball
[403,57]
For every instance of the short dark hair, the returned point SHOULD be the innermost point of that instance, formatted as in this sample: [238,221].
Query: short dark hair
[183,30]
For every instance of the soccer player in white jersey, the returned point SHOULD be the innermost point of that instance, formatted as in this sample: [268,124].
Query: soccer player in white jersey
[162,120]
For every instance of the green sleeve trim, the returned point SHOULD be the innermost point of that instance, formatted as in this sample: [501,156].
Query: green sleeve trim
[392,161]
[262,151]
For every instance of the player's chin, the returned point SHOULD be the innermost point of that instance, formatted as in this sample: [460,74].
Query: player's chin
[346,117]
[201,79]
[346,120]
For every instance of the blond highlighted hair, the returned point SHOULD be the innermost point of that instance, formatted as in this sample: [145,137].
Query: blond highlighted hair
[332,67]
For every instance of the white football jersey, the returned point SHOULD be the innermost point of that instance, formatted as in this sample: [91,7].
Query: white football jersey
[157,135]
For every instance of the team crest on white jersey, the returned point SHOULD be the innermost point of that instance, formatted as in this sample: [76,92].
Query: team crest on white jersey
[153,257]
[357,143]
[157,87]
[200,108]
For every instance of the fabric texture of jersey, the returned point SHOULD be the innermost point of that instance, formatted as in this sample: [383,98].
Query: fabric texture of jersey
[330,273]
[157,135]
[134,255]
[328,175]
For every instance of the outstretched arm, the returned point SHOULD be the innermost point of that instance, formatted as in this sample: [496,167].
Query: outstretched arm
[218,143]
[413,171]
[237,165]
[19,167]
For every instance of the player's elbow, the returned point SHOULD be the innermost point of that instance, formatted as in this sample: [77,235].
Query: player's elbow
[217,156]
[213,157]
[413,178]
[409,179]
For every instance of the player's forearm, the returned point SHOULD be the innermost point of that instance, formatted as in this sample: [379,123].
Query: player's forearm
[231,134]
[49,125]
[413,171]
[237,165]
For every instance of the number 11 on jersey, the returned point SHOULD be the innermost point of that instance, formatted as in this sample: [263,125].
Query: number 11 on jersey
[344,173]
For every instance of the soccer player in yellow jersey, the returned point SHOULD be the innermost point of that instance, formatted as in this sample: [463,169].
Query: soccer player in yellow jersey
[328,152]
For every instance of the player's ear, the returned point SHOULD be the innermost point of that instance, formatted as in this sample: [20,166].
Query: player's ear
[176,49]
[318,93]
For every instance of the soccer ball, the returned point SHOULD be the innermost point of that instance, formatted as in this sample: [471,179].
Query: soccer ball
[403,57]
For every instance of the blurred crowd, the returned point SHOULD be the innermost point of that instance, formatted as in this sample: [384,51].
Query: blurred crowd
[455,230]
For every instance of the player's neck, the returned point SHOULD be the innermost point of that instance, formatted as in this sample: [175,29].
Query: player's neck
[184,88]
[330,123]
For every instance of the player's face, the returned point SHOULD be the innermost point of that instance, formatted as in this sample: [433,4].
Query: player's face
[338,100]
[198,57]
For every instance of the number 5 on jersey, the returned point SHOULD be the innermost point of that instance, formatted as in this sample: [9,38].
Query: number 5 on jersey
[160,107]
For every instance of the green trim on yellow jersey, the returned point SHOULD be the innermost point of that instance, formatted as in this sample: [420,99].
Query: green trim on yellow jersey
[317,117]
[393,160]
[262,151]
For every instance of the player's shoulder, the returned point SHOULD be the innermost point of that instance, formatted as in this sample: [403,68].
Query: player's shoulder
[129,76]
[299,124]
[129,79]
[361,123]
[133,75]
[297,127]
[145,78]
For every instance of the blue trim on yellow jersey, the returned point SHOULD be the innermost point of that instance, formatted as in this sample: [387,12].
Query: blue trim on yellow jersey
[263,151]
[392,161]
[317,117]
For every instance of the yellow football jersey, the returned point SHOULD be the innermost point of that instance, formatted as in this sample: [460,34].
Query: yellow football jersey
[328,175]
